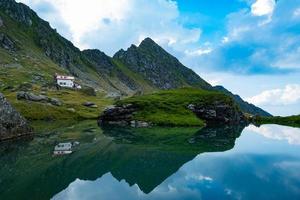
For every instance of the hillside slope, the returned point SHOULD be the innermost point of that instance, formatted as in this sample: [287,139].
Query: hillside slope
[32,52]
[31,45]
[160,68]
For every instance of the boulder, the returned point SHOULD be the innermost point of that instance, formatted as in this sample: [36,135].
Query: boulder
[120,116]
[55,102]
[218,112]
[12,124]
[71,110]
[38,98]
[90,104]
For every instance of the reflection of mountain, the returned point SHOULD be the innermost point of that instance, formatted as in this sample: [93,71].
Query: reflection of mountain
[145,157]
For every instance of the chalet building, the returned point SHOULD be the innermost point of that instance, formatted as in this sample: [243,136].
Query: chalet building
[66,81]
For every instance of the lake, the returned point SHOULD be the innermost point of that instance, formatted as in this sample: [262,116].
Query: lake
[158,163]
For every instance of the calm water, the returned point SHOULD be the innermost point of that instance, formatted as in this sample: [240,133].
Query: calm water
[160,163]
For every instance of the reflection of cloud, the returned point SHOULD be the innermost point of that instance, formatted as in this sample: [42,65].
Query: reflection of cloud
[276,132]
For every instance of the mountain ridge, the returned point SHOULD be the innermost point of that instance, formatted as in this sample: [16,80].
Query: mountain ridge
[36,49]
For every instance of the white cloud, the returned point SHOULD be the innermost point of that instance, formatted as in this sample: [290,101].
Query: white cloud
[111,25]
[263,7]
[276,132]
[297,12]
[198,52]
[286,96]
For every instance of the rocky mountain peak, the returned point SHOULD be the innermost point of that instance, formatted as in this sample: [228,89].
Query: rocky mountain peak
[18,11]
[100,60]
[148,42]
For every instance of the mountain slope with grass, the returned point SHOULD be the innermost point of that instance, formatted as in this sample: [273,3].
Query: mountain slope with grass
[31,52]
[177,107]
[32,47]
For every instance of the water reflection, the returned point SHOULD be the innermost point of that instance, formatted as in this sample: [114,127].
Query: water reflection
[257,168]
[131,159]
[276,132]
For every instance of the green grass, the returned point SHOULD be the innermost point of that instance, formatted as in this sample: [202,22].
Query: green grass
[70,98]
[293,121]
[169,108]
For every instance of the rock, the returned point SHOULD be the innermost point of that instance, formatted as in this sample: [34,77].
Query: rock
[6,42]
[120,116]
[12,124]
[71,110]
[55,102]
[88,104]
[31,97]
[218,112]
[38,98]
[1,22]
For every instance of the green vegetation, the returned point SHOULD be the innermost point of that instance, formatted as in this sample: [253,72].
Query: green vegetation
[170,107]
[293,121]
[72,108]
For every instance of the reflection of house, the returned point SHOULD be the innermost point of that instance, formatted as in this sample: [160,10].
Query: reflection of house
[66,81]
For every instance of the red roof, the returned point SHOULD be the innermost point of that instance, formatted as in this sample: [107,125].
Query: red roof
[60,77]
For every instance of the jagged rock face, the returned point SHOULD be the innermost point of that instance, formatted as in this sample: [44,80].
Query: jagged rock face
[159,67]
[1,22]
[6,42]
[218,112]
[19,12]
[102,62]
[12,124]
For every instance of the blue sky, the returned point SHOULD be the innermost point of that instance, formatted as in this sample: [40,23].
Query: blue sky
[252,47]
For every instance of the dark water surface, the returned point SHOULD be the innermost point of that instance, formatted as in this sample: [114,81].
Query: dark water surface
[156,163]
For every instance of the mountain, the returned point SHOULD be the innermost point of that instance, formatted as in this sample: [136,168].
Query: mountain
[30,43]
[160,68]
[244,105]
[164,71]
[32,52]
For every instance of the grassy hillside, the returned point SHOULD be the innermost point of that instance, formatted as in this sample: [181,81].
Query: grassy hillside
[170,107]
[71,109]
[37,49]
[293,121]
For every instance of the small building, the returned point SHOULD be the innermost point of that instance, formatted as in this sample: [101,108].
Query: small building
[66,81]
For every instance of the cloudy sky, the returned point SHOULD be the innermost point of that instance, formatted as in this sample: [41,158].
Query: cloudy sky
[252,47]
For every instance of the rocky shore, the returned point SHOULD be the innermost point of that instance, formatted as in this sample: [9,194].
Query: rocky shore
[12,124]
[218,112]
[214,113]
[121,116]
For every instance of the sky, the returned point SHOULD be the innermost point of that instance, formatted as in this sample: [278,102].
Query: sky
[252,47]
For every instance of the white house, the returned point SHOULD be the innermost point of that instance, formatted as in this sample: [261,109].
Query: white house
[66,81]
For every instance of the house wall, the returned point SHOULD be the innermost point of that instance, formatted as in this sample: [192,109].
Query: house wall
[65,83]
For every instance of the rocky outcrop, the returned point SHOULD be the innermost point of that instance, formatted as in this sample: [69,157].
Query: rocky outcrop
[218,112]
[159,67]
[90,105]
[7,43]
[121,116]
[12,124]
[1,22]
[38,98]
